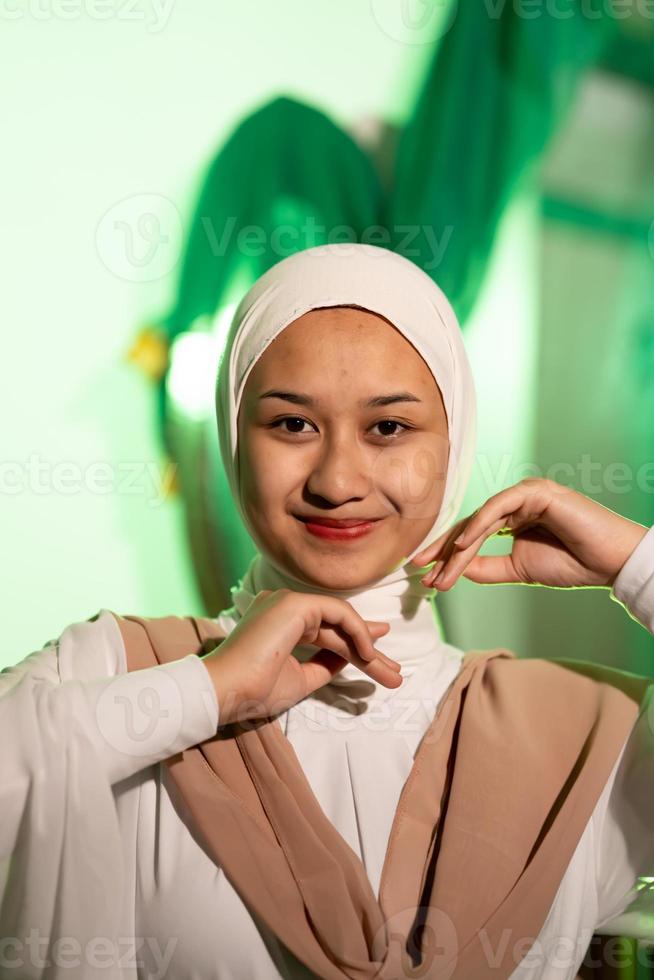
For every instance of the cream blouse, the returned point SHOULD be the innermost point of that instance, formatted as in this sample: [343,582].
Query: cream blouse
[102,875]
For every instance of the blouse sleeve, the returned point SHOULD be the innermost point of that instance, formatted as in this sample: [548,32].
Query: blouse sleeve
[132,720]
[624,819]
[74,724]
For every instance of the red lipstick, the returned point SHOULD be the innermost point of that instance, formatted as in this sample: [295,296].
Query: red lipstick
[335,530]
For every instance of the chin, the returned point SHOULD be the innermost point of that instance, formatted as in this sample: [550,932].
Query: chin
[329,575]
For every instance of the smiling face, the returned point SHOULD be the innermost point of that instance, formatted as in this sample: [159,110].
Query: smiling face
[312,444]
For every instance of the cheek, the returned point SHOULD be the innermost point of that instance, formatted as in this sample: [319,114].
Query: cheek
[413,477]
[253,476]
[269,474]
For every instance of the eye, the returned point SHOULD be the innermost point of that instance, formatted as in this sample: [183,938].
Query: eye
[299,422]
[278,423]
[391,435]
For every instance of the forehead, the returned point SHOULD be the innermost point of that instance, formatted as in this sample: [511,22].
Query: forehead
[351,322]
[341,339]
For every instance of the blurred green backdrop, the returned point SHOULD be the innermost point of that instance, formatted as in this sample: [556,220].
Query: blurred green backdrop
[524,138]
[104,111]
[110,133]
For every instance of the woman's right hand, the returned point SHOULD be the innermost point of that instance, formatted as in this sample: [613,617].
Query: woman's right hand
[254,671]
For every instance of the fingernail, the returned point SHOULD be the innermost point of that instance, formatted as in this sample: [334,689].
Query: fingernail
[459,539]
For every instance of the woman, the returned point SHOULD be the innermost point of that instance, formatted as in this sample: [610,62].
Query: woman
[376,803]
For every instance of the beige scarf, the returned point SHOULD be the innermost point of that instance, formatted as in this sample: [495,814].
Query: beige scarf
[502,786]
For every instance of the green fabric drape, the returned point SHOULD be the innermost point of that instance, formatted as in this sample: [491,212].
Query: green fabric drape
[499,87]
[289,165]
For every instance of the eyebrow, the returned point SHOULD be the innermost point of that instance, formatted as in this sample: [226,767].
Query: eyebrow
[299,399]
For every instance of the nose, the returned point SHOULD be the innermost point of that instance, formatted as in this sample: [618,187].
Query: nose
[341,471]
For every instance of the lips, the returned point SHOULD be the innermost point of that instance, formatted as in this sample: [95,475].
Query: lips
[344,530]
[330,522]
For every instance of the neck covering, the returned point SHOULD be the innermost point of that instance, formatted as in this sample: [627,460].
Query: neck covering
[388,284]
[503,784]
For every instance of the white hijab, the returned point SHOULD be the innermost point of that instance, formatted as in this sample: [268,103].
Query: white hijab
[386,283]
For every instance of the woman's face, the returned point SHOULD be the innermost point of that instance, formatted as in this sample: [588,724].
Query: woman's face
[312,445]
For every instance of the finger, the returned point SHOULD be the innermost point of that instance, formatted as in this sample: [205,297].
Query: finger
[492,570]
[427,555]
[445,577]
[325,664]
[380,668]
[443,555]
[501,507]
[442,546]
[375,629]
[338,640]
[381,672]
[378,629]
[378,655]
[357,635]
[453,565]
[320,668]
[497,528]
[356,627]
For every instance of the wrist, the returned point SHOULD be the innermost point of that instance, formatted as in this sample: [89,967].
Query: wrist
[629,541]
[215,671]
[224,674]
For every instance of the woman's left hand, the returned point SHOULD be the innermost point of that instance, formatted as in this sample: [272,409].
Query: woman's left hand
[561,538]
